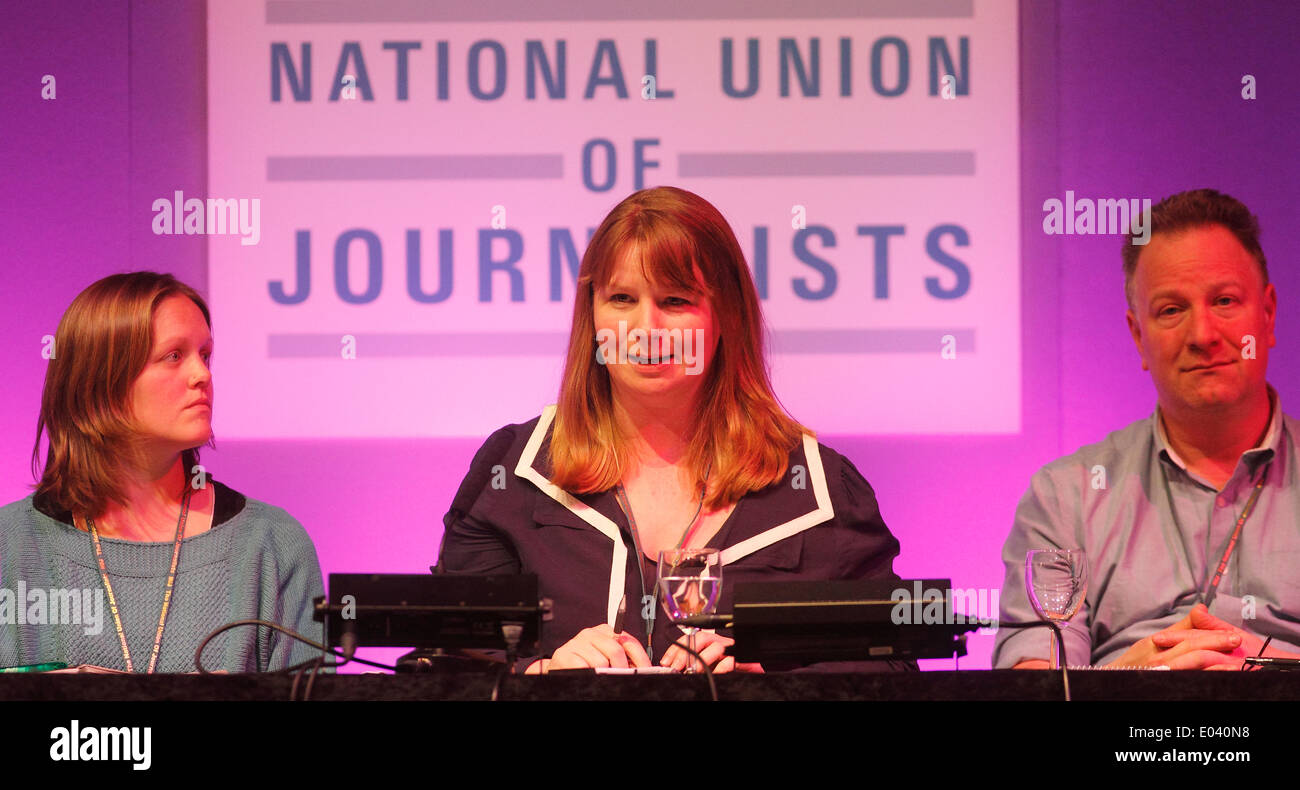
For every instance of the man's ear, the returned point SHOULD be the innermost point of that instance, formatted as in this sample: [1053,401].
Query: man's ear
[1270,311]
[1135,329]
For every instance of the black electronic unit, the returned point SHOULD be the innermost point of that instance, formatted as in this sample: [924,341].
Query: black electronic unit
[423,610]
[811,621]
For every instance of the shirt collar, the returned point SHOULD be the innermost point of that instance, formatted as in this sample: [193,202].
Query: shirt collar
[1266,448]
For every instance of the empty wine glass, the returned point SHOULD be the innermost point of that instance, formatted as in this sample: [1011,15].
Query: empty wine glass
[691,580]
[1057,582]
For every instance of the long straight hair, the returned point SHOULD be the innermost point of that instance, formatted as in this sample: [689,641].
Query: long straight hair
[100,348]
[741,437]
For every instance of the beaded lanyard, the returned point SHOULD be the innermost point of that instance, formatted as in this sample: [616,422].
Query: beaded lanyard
[167,591]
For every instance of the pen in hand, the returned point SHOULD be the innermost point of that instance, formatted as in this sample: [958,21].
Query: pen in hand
[622,611]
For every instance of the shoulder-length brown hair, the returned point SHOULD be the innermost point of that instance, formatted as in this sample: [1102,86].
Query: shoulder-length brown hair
[739,428]
[100,348]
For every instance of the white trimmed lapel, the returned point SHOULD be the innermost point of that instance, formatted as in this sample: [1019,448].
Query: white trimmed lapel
[822,513]
[580,509]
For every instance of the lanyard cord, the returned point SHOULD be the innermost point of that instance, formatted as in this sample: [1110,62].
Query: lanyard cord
[620,495]
[1210,584]
[1212,587]
[167,591]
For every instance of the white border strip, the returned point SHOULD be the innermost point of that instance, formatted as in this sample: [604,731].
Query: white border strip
[580,509]
[824,512]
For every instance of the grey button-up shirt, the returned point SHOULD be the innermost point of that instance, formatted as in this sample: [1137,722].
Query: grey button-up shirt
[1154,532]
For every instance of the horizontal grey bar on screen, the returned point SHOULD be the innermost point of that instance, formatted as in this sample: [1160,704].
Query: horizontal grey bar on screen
[530,344]
[827,163]
[870,341]
[353,11]
[421,344]
[414,168]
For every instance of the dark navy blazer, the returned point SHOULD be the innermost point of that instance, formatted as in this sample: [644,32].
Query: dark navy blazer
[508,518]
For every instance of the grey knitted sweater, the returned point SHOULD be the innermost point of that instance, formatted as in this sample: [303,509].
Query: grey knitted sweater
[256,561]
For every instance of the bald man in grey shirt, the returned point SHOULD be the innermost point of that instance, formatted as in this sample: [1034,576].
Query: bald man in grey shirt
[1190,519]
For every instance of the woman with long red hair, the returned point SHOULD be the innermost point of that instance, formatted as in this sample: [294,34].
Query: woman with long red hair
[666,435]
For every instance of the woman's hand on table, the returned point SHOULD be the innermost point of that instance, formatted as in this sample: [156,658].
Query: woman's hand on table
[712,648]
[595,647]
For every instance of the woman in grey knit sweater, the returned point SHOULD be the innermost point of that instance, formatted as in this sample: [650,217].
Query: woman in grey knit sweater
[128,553]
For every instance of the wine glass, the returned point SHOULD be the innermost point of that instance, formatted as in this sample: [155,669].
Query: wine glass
[691,580]
[1057,581]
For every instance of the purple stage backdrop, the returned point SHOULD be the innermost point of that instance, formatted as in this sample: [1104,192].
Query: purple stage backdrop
[1116,100]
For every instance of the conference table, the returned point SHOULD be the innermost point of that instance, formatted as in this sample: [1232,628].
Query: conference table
[934,720]
[968,685]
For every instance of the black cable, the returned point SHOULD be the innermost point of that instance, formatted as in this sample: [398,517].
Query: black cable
[512,632]
[198,654]
[505,669]
[293,690]
[306,694]
[1262,648]
[1060,647]
[708,670]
